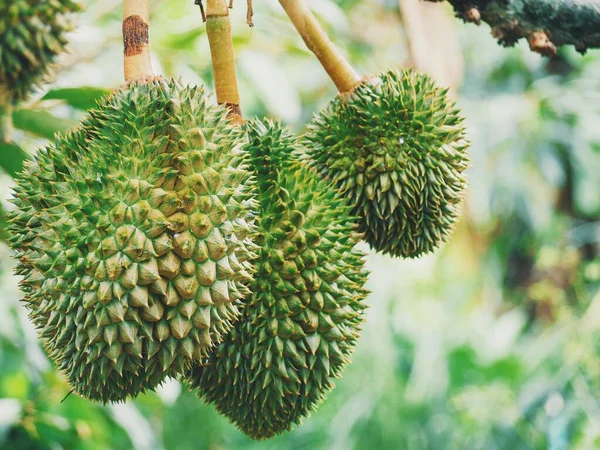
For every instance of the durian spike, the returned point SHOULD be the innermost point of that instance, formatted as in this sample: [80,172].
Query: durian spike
[6,109]
[337,67]
[136,47]
[218,29]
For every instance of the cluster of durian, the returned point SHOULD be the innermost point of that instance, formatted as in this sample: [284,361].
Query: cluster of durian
[159,239]
[32,35]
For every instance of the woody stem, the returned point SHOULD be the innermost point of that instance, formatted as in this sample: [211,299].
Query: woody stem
[218,29]
[337,67]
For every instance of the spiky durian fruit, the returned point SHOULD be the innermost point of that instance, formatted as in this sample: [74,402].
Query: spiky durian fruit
[301,323]
[134,234]
[396,147]
[32,34]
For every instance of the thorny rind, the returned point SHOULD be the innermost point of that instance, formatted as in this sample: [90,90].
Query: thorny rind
[132,283]
[302,320]
[546,24]
[404,175]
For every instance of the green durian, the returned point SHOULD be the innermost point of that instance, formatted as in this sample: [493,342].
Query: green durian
[396,146]
[32,35]
[134,234]
[302,321]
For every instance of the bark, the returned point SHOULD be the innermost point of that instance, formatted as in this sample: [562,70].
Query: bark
[546,24]
[135,40]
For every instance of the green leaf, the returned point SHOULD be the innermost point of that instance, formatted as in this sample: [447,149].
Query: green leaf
[185,40]
[40,123]
[11,158]
[84,97]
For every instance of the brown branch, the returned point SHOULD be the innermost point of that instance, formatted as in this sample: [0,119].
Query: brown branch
[250,14]
[202,12]
[136,47]
[545,24]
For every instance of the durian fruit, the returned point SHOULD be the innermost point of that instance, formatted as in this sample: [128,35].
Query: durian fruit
[302,321]
[134,234]
[395,145]
[32,34]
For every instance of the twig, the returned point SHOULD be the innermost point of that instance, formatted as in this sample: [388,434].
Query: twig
[202,12]
[250,14]
[66,396]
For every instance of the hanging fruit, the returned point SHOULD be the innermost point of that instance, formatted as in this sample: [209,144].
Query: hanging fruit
[394,144]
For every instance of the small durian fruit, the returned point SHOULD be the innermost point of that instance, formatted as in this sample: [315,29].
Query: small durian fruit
[301,322]
[32,35]
[134,235]
[394,144]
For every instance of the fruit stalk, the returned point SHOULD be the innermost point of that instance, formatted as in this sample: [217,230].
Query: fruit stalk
[136,47]
[6,110]
[218,29]
[337,67]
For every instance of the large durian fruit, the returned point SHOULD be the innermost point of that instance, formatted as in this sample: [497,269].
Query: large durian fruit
[134,235]
[32,34]
[302,321]
[395,145]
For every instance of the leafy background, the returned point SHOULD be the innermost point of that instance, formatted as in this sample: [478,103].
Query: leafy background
[491,343]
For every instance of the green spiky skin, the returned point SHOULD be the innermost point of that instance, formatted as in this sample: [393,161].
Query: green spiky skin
[32,35]
[302,321]
[134,234]
[396,147]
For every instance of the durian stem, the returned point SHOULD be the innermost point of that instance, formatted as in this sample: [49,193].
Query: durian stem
[218,29]
[6,111]
[337,67]
[136,40]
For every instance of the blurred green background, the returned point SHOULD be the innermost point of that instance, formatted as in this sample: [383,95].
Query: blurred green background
[491,343]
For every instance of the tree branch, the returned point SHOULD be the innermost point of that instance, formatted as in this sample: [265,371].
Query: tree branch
[546,24]
[317,41]
[218,29]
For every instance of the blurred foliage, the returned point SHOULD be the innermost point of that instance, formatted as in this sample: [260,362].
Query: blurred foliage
[492,343]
